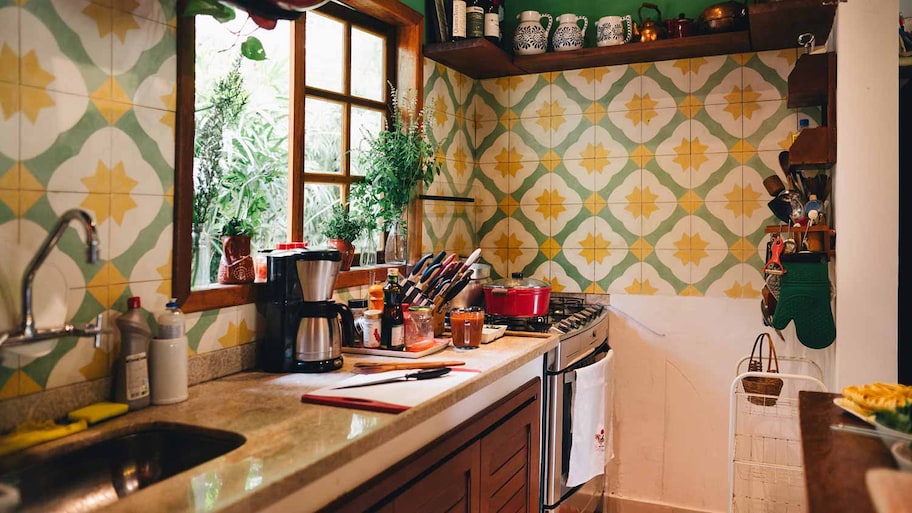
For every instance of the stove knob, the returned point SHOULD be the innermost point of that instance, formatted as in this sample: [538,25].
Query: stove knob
[564,326]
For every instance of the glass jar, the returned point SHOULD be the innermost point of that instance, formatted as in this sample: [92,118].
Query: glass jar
[370,326]
[419,327]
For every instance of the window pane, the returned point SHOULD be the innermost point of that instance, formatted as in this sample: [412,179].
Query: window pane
[368,51]
[322,136]
[365,123]
[318,202]
[241,138]
[325,44]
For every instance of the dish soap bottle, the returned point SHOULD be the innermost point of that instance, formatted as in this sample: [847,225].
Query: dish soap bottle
[168,357]
[131,373]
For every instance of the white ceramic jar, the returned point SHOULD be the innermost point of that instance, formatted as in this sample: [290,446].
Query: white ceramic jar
[568,35]
[531,38]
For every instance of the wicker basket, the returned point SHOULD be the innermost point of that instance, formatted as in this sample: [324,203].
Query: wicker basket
[757,387]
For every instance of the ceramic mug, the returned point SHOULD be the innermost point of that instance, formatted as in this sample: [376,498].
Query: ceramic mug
[568,35]
[531,37]
[611,30]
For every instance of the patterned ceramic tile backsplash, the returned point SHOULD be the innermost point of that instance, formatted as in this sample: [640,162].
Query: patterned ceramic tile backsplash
[633,179]
[87,107]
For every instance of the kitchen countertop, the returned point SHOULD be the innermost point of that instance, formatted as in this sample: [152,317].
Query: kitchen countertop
[291,445]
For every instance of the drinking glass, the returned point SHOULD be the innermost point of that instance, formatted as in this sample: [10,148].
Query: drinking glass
[466,326]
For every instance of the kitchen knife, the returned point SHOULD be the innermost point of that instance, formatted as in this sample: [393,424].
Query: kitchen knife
[439,258]
[424,374]
[419,265]
[471,259]
[373,367]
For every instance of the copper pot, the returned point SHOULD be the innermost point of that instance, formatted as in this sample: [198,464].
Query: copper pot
[650,30]
[723,17]
[680,27]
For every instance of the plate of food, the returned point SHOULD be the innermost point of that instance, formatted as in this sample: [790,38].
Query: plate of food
[853,409]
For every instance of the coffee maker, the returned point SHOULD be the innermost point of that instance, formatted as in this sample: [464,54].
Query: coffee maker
[305,327]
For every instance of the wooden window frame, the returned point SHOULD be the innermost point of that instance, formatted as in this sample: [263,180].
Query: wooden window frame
[409,27]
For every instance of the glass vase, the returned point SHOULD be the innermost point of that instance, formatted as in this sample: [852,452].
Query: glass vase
[394,251]
[203,260]
[369,250]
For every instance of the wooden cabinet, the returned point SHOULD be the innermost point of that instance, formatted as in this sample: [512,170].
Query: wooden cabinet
[489,463]
[812,83]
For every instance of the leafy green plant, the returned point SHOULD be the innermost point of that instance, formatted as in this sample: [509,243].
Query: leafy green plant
[251,47]
[237,226]
[397,160]
[342,225]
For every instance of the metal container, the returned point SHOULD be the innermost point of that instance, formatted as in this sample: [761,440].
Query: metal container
[723,17]
[517,297]
[317,272]
[473,293]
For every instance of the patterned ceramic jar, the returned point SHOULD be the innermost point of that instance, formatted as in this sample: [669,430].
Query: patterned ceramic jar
[531,38]
[568,35]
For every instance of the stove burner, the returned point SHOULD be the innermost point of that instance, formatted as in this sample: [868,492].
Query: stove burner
[565,314]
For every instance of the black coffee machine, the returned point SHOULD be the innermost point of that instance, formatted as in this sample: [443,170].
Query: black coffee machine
[305,328]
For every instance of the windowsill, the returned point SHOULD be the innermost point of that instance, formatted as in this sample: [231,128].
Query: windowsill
[222,296]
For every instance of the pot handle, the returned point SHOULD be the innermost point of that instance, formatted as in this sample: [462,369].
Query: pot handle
[649,5]
[550,21]
[585,23]
[499,292]
[629,21]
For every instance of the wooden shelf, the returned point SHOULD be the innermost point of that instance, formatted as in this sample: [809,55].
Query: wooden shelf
[653,51]
[821,238]
[812,82]
[477,58]
[773,26]
[777,25]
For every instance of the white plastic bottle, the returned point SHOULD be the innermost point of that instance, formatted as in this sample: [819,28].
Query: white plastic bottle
[131,375]
[168,357]
[171,321]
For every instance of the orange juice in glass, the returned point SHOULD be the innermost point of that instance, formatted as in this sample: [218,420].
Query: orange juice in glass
[466,326]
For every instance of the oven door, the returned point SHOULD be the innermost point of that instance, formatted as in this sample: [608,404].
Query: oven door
[556,496]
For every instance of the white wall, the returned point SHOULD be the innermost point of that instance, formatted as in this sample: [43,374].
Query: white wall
[865,191]
[672,395]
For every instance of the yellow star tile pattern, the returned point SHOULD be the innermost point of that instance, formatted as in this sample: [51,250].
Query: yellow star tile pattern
[550,204]
[32,101]
[595,248]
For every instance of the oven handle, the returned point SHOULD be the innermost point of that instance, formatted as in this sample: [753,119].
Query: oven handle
[582,362]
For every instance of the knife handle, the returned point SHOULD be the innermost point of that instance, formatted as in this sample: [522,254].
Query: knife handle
[429,373]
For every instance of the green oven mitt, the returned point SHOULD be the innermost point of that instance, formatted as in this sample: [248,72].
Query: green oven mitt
[804,297]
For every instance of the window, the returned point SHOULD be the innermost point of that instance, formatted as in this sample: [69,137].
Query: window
[327,104]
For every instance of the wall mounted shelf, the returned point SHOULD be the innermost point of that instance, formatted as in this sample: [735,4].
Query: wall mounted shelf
[773,25]
[812,83]
[821,238]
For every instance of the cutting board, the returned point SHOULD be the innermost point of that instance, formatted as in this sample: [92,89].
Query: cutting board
[388,397]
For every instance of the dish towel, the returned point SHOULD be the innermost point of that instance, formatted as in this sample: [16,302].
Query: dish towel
[592,438]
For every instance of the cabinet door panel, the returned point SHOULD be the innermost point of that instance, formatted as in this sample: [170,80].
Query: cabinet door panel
[510,456]
[452,487]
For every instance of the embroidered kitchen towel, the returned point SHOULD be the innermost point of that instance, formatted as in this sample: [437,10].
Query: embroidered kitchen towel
[591,443]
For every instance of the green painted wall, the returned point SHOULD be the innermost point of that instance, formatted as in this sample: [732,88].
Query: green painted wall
[418,5]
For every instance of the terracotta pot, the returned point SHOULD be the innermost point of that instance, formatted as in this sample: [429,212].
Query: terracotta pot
[347,249]
[236,264]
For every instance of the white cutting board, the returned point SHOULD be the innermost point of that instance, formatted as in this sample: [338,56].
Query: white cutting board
[388,397]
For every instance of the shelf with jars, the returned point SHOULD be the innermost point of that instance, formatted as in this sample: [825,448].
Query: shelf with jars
[773,25]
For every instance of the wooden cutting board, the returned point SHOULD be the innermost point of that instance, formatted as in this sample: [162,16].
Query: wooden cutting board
[388,397]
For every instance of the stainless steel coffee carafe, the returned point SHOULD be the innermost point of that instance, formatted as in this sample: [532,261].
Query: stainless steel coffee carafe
[324,324]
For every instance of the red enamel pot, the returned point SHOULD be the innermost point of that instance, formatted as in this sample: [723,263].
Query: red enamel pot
[517,297]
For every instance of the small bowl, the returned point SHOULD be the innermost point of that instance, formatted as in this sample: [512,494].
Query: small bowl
[902,453]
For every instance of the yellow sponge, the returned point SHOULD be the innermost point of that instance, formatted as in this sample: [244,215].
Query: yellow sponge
[95,413]
[32,433]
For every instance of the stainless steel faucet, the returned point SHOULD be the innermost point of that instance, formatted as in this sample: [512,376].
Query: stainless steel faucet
[27,332]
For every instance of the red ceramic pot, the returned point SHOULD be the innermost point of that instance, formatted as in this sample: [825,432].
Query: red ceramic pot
[517,297]
[347,249]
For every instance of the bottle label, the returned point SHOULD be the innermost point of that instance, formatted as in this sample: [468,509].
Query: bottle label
[492,25]
[136,376]
[169,331]
[475,21]
[397,336]
[459,19]
[371,332]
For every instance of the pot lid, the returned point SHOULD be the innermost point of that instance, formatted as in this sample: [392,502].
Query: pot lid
[516,281]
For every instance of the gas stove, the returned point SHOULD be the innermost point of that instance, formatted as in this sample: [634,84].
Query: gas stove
[566,316]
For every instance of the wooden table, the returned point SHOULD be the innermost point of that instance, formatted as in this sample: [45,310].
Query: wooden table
[835,462]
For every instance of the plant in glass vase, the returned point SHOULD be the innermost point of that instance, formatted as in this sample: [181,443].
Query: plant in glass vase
[342,229]
[398,160]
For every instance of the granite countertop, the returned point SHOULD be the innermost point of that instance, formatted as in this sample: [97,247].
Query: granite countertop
[290,444]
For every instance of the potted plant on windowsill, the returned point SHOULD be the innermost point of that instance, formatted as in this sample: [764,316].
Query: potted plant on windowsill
[342,229]
[236,264]
[397,160]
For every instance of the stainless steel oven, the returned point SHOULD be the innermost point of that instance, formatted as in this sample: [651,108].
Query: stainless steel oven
[584,341]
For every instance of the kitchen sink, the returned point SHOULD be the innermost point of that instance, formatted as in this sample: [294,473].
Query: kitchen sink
[87,476]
